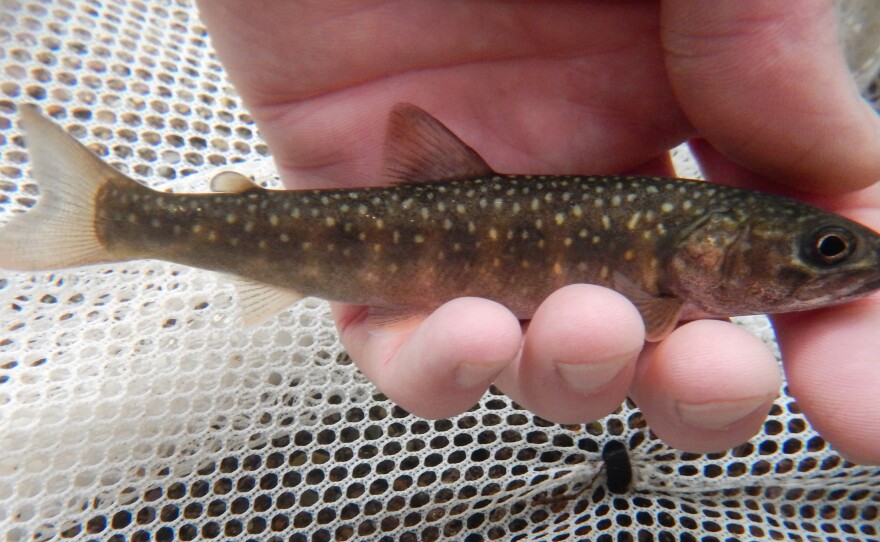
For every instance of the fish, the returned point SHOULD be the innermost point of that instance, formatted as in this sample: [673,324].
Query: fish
[442,224]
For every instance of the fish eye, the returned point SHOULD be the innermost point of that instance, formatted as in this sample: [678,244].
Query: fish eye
[830,245]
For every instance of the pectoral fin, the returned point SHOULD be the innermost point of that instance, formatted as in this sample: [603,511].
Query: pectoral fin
[660,314]
[259,301]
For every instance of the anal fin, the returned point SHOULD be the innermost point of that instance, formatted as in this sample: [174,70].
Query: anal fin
[260,301]
[387,316]
[660,314]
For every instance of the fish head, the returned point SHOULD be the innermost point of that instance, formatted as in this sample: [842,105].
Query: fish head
[773,257]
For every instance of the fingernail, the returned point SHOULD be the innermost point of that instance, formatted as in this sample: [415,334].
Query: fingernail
[588,378]
[470,375]
[720,414]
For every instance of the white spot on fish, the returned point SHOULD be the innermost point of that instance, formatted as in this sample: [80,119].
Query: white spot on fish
[419,238]
[596,239]
[305,245]
[396,237]
[425,213]
[651,189]
[630,197]
[380,224]
[536,204]
[447,224]
[197,228]
[667,207]
[284,238]
[262,244]
[498,204]
[567,241]
[560,219]
[577,211]
[516,208]
[249,226]
[615,201]
[634,220]
[599,202]
[231,218]
[155,222]
[212,236]
[493,234]
[330,221]
[362,209]
[686,205]
[471,227]
[274,220]
[460,208]
[606,222]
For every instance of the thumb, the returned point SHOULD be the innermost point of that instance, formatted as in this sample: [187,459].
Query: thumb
[767,84]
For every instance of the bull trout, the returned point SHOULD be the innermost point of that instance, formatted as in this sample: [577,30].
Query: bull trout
[446,225]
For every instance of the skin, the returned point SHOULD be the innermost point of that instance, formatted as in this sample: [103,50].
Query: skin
[585,87]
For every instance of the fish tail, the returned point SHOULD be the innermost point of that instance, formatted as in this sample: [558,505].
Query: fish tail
[60,231]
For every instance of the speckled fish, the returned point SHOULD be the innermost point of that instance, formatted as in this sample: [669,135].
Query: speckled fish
[445,226]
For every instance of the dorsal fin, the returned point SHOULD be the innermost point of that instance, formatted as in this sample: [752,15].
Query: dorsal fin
[232,182]
[419,148]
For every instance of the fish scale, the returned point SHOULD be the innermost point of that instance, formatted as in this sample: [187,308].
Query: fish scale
[444,225]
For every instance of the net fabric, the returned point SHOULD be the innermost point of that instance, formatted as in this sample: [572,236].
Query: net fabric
[135,406]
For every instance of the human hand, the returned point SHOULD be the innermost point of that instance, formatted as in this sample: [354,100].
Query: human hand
[589,87]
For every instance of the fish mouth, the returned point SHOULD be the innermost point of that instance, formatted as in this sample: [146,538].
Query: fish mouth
[868,287]
[853,286]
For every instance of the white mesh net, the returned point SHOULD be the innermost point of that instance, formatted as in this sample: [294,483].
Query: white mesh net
[134,406]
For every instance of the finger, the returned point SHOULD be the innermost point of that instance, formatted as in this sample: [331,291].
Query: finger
[438,366]
[766,82]
[858,205]
[832,364]
[707,387]
[578,355]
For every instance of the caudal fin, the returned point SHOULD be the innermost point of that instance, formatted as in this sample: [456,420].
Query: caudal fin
[60,230]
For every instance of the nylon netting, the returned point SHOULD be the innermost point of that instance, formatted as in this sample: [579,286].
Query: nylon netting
[135,406]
